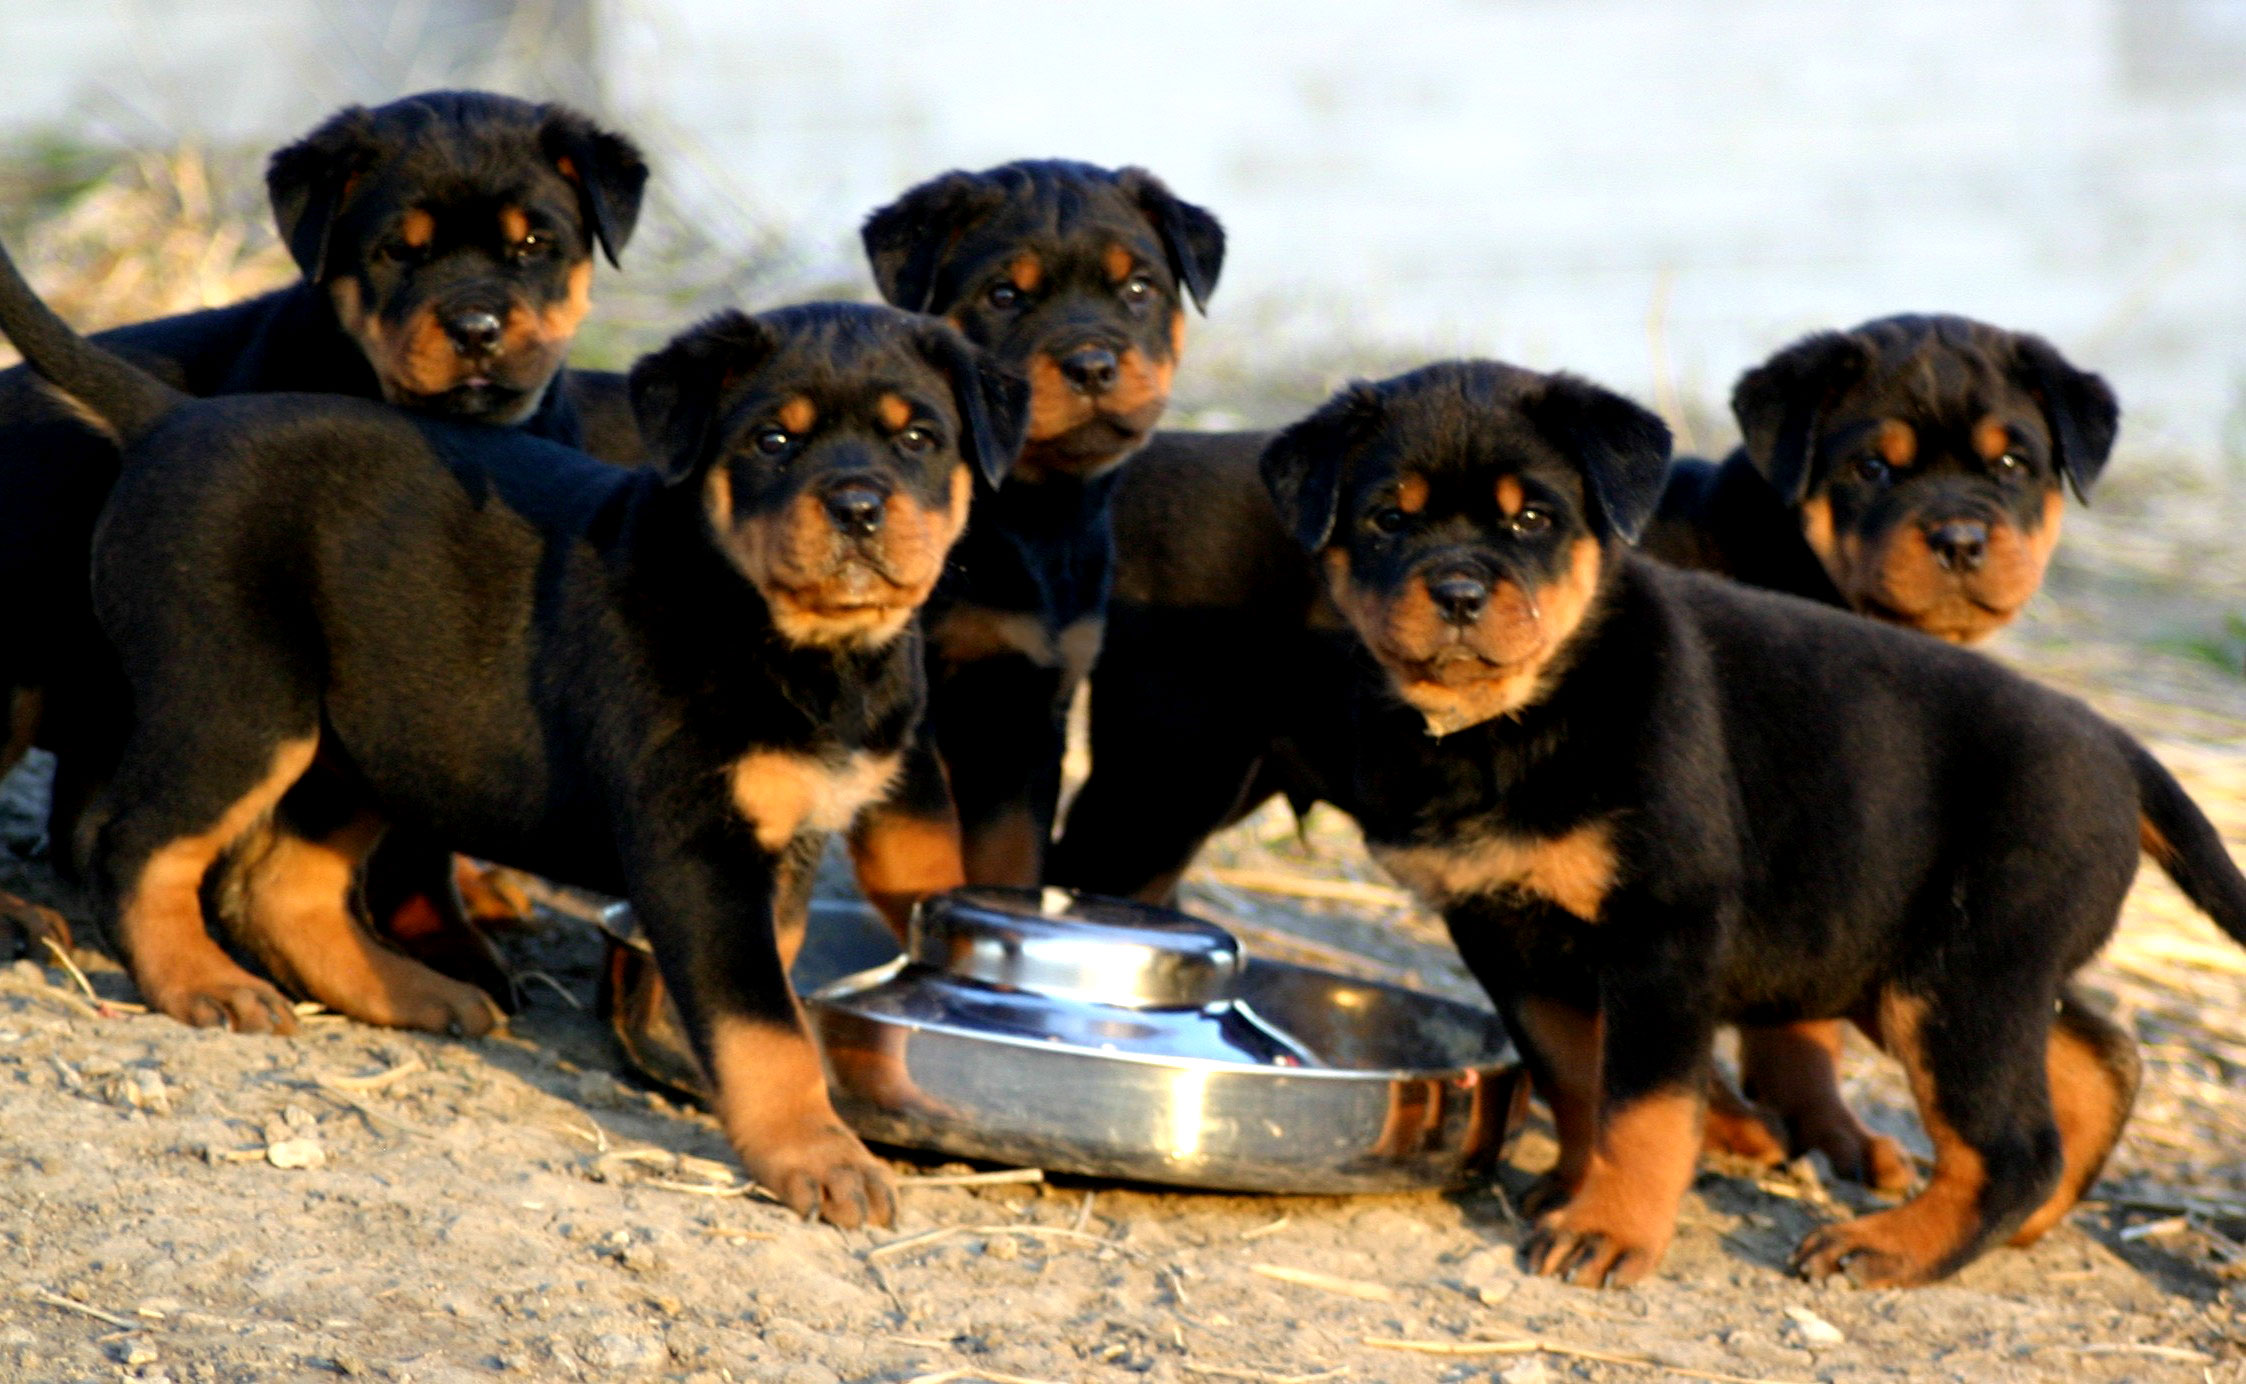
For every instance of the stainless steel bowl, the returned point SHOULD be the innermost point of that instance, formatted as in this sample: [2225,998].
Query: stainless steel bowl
[1048,1029]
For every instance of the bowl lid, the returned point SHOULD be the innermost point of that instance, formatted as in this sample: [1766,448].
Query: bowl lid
[1075,946]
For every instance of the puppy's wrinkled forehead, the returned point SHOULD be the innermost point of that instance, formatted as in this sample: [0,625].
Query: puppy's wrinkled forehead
[829,354]
[1458,431]
[1048,211]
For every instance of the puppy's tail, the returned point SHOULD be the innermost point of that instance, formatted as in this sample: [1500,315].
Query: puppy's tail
[111,394]
[2178,836]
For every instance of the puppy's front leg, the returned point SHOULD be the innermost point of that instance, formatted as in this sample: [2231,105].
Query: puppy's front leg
[1621,1213]
[710,915]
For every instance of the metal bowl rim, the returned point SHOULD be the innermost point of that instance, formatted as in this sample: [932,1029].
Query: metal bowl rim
[825,1000]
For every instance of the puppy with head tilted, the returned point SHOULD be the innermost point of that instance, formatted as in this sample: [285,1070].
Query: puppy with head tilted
[666,683]
[1913,469]
[1651,802]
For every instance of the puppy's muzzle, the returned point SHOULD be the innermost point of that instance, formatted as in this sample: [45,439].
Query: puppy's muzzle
[855,506]
[475,332]
[1958,545]
[1459,595]
[1090,369]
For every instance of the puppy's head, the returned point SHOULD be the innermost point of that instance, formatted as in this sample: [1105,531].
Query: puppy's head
[1926,458]
[454,233]
[1465,514]
[832,449]
[1075,276]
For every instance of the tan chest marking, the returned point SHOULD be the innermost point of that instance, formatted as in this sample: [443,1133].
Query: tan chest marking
[784,795]
[1575,872]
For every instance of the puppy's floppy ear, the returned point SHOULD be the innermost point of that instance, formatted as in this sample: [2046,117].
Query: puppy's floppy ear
[607,170]
[1779,402]
[1623,448]
[993,402]
[308,182]
[677,392]
[2078,407]
[1191,237]
[1302,467]
[906,240]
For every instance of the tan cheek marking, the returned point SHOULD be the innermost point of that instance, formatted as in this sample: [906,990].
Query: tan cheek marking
[513,225]
[558,322]
[1991,438]
[1026,271]
[1817,531]
[417,228]
[1510,499]
[1177,334]
[1575,872]
[1897,442]
[893,411]
[1411,494]
[1118,263]
[798,414]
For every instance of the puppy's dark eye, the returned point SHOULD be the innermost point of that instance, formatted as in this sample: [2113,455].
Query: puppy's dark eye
[1004,297]
[1138,291]
[2010,464]
[531,246]
[1872,469]
[916,439]
[772,441]
[399,250]
[1390,520]
[1531,521]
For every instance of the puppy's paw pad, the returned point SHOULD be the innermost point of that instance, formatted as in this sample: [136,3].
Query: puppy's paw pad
[829,1175]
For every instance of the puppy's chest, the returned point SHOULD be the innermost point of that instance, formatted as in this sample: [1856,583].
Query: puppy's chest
[1457,825]
[1573,871]
[786,793]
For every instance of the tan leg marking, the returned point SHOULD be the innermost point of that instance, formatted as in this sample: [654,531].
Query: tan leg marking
[1917,1241]
[1008,849]
[1733,1128]
[1795,1070]
[298,918]
[1569,1040]
[902,858]
[772,1101]
[162,931]
[2093,1084]
[1619,1222]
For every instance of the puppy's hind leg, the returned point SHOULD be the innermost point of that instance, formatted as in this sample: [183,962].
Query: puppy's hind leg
[295,884]
[180,800]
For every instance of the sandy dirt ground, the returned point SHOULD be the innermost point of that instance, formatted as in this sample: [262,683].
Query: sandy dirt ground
[351,1202]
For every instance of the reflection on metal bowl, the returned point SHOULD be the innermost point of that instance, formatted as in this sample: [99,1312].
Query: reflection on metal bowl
[1094,1036]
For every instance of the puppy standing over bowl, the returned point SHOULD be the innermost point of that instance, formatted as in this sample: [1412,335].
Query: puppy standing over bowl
[446,242]
[1651,802]
[666,683]
[1914,470]
[1077,277]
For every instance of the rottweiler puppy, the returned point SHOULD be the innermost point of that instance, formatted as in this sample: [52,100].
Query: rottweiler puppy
[666,683]
[1651,802]
[1914,470]
[1078,277]
[446,242]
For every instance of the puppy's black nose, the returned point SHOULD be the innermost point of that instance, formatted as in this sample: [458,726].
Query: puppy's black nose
[1460,596]
[1091,369]
[855,508]
[474,332]
[1959,545]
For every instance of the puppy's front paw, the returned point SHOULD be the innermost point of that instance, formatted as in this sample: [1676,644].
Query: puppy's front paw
[1891,1249]
[1593,1244]
[826,1172]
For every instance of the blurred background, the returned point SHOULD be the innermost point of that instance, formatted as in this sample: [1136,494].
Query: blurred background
[1654,192]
